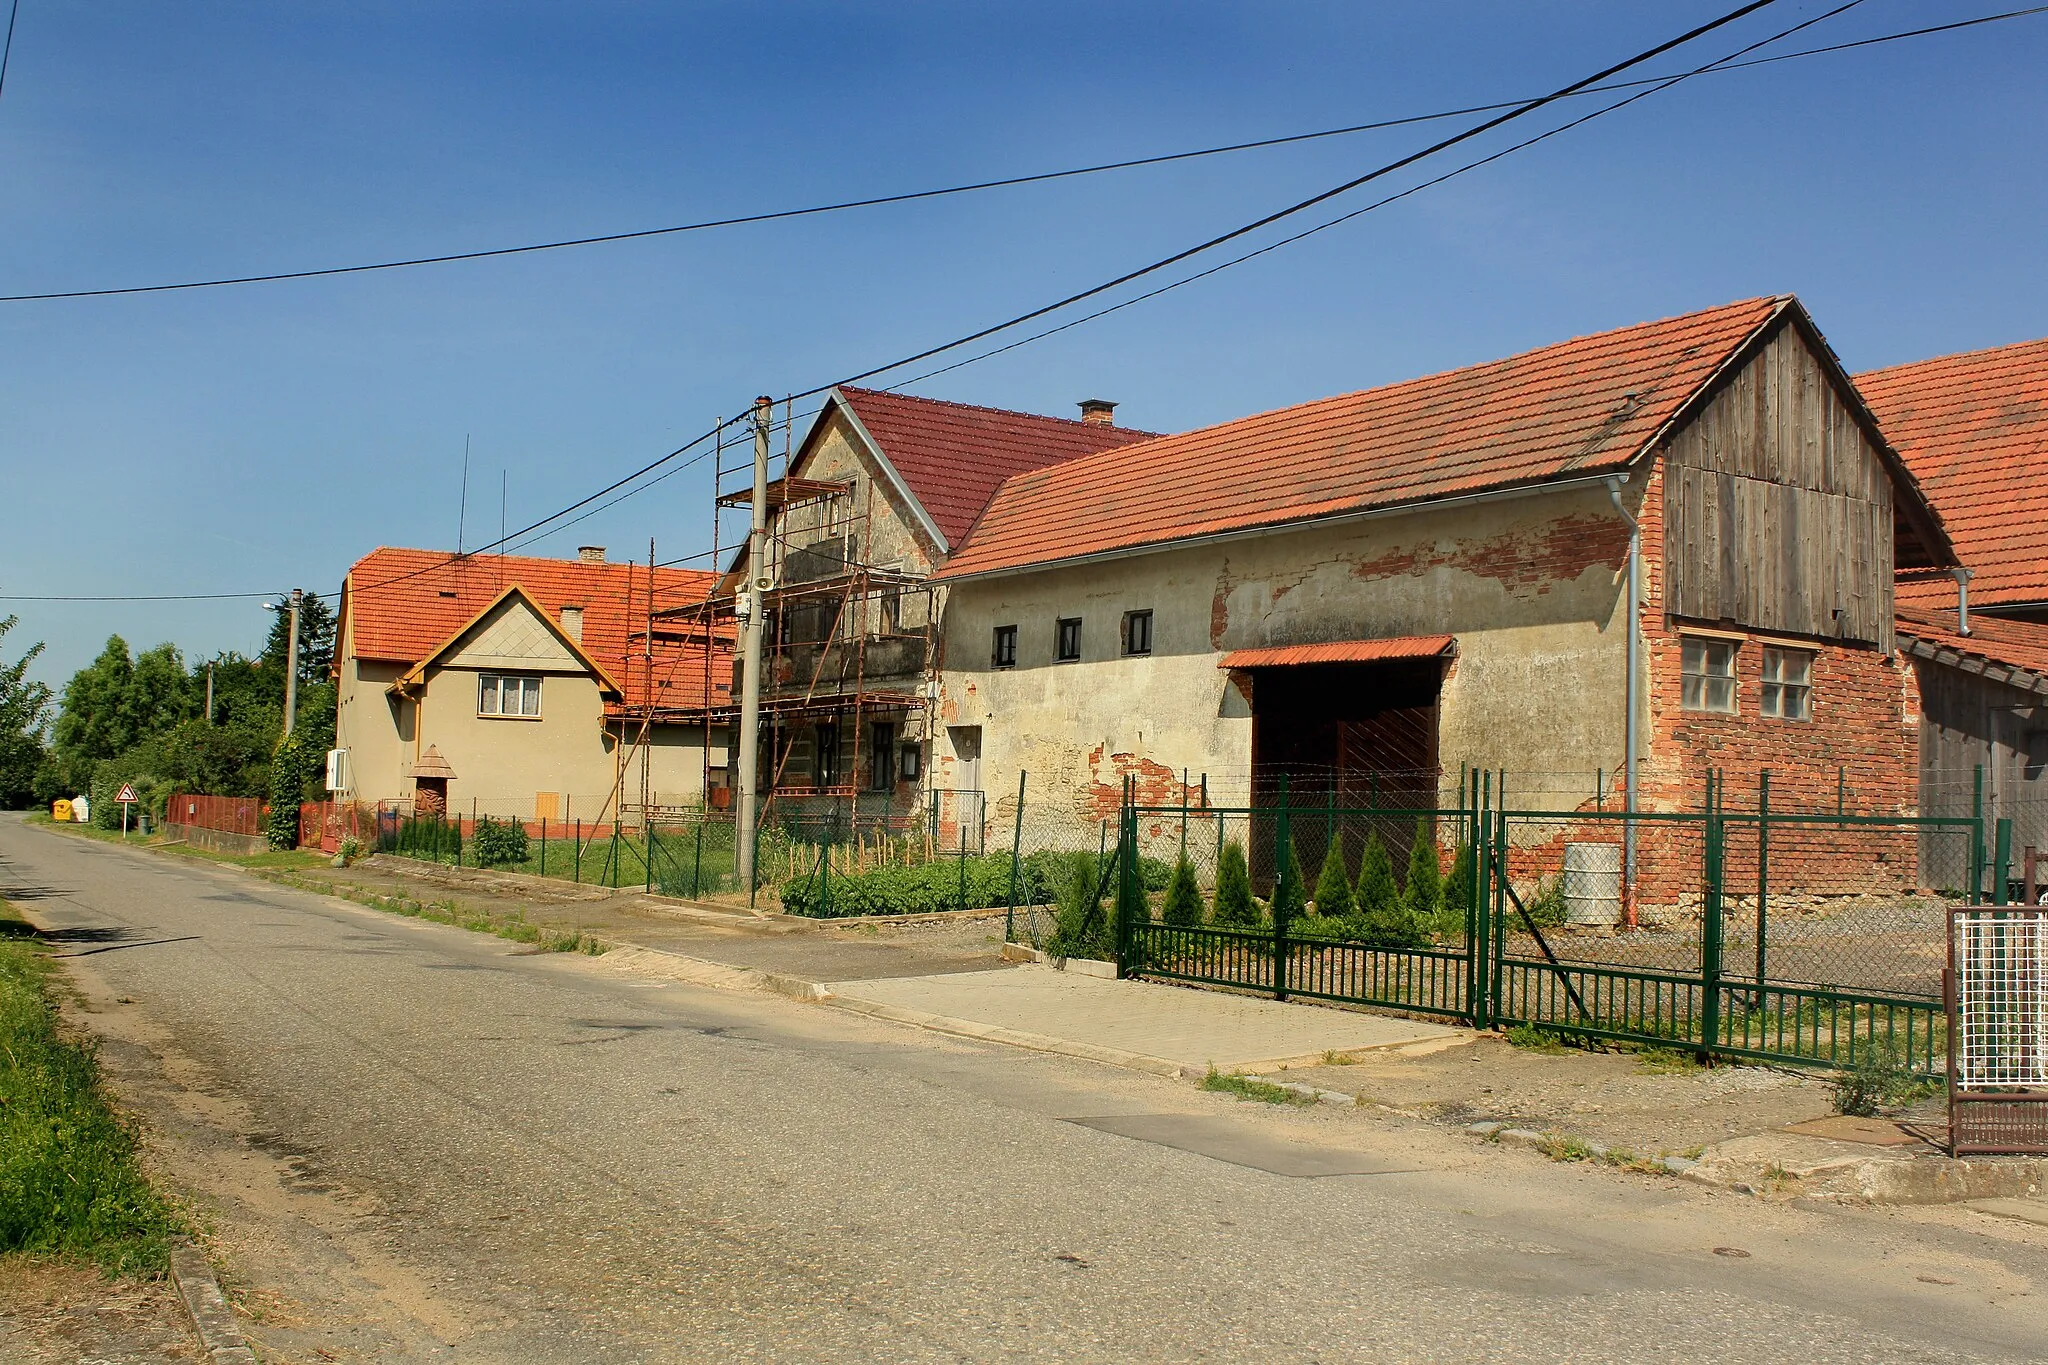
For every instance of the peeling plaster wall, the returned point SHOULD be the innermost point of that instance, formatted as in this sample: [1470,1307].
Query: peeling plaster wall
[836,454]
[1531,587]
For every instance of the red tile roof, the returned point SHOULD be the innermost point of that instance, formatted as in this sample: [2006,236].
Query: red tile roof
[2011,644]
[1562,410]
[402,605]
[1974,430]
[954,456]
[1340,652]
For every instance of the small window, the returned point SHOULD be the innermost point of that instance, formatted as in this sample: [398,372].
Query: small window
[1788,683]
[1137,632]
[1708,668]
[501,695]
[1004,655]
[910,763]
[1067,640]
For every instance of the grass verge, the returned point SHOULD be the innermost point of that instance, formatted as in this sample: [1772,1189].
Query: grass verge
[514,926]
[70,1183]
[1251,1088]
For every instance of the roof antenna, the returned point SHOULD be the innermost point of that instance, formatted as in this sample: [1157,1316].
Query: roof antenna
[462,511]
[503,475]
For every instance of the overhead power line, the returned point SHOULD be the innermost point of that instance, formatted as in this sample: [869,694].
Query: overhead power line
[1654,86]
[973,187]
[7,45]
[1519,111]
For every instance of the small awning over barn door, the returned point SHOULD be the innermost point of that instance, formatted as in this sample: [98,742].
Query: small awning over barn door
[1342,652]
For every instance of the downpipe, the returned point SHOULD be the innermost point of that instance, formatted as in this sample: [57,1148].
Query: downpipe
[1635,597]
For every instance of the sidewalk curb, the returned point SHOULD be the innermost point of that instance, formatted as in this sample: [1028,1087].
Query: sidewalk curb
[990,1033]
[206,1308]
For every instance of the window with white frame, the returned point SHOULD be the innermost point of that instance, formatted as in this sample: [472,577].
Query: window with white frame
[1707,666]
[1788,683]
[507,694]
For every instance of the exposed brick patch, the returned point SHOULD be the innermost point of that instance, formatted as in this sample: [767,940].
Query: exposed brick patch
[1520,561]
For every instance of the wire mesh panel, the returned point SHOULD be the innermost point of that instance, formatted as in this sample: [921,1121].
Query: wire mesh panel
[1998,1057]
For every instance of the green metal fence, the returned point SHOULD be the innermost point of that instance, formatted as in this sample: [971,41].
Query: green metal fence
[1793,936]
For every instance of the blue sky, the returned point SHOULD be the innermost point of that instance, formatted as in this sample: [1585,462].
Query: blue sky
[254,438]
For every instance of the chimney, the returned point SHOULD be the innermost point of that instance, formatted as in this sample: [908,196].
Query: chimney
[590,554]
[1098,412]
[572,623]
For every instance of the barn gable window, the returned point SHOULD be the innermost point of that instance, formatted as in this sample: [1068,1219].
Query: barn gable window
[1788,683]
[1707,668]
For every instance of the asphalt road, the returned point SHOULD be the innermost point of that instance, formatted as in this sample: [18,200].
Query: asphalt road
[416,1143]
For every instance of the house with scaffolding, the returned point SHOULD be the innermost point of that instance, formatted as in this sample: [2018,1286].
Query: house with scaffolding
[863,509]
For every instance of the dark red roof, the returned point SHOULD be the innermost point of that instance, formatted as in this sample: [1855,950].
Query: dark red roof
[2013,644]
[401,605]
[1579,407]
[954,456]
[1974,430]
[1340,652]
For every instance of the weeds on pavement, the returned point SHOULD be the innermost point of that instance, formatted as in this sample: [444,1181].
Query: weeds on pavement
[1664,1061]
[1532,1039]
[70,1184]
[1251,1088]
[1880,1078]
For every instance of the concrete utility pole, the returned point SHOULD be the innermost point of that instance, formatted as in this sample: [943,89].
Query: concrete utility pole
[209,691]
[751,612]
[291,668]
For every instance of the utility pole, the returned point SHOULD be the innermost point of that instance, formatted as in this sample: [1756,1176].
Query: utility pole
[291,666]
[209,691]
[751,613]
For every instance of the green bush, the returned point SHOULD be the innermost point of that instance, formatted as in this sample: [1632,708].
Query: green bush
[923,889]
[1425,890]
[1333,885]
[1080,925]
[1377,893]
[428,836]
[1235,908]
[499,844]
[1458,887]
[1154,875]
[1546,907]
[1183,907]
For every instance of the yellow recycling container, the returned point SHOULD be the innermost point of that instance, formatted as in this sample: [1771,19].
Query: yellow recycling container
[60,811]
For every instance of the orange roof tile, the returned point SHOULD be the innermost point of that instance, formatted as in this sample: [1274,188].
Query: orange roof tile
[1974,430]
[1583,406]
[2019,645]
[1340,652]
[954,456]
[401,605]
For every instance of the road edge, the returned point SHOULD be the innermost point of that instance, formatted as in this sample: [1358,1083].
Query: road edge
[206,1308]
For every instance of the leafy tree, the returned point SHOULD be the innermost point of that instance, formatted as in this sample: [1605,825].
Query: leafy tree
[24,710]
[1234,906]
[115,703]
[1425,889]
[1183,907]
[1333,885]
[1290,896]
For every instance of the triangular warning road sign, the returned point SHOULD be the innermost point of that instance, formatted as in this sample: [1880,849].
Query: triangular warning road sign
[127,793]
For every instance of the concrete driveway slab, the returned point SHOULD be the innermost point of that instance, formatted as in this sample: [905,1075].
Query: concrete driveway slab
[1190,1029]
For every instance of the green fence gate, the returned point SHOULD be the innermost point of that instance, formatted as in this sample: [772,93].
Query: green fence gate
[1793,936]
